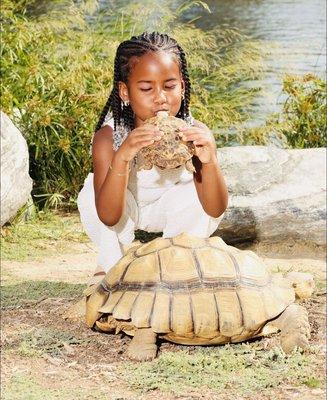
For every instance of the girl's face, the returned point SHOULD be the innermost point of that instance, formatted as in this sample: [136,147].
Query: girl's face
[154,84]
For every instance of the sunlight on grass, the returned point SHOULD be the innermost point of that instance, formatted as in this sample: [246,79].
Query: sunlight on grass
[23,387]
[240,367]
[45,235]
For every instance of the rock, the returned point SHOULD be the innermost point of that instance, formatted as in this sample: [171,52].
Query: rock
[275,194]
[16,184]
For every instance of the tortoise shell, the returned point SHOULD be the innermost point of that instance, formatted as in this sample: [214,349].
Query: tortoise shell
[190,290]
[171,151]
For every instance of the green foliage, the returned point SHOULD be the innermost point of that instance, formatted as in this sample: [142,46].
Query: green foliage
[57,73]
[305,111]
[241,368]
[302,121]
[47,233]
[22,386]
[45,341]
[14,296]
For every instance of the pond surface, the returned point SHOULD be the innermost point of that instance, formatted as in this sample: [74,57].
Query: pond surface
[294,32]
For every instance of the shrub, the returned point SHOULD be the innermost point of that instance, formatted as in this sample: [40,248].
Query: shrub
[305,111]
[57,74]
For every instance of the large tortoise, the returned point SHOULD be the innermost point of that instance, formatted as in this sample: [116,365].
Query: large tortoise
[195,291]
[170,151]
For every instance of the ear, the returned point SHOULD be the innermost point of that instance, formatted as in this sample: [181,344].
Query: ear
[123,91]
[183,85]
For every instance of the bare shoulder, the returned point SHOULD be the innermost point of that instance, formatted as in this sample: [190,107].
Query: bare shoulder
[103,136]
[102,143]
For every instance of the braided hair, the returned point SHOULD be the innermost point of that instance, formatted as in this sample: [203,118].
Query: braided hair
[138,46]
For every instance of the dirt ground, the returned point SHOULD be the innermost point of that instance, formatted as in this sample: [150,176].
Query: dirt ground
[78,363]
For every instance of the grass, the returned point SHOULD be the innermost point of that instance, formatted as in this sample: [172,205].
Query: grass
[15,296]
[44,235]
[23,387]
[245,368]
[40,341]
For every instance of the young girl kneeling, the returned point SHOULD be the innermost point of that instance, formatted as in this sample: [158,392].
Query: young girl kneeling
[150,75]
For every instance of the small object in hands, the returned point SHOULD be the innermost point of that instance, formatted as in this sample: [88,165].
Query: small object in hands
[196,291]
[170,151]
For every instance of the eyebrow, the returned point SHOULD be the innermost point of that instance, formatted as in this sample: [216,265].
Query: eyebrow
[167,80]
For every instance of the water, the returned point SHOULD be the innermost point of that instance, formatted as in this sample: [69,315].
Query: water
[293,31]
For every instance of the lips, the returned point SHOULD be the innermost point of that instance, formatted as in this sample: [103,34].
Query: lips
[161,109]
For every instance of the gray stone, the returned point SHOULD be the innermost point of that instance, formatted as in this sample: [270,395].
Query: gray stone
[275,194]
[16,184]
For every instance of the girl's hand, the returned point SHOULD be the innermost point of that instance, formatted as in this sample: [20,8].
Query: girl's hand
[137,139]
[203,140]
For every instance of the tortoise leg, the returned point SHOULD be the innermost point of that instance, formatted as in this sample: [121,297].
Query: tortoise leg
[294,326]
[143,345]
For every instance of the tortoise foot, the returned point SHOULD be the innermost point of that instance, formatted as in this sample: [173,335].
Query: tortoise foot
[291,341]
[295,328]
[143,345]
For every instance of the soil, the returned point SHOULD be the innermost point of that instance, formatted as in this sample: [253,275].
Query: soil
[89,360]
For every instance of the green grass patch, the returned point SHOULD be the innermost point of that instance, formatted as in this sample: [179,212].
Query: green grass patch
[14,296]
[22,387]
[239,367]
[44,341]
[46,234]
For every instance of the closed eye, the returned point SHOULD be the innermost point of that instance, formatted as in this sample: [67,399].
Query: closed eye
[167,87]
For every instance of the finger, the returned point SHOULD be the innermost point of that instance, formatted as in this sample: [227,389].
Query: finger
[146,136]
[147,129]
[194,137]
[145,143]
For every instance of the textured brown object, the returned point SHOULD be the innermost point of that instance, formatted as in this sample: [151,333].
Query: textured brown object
[194,291]
[171,151]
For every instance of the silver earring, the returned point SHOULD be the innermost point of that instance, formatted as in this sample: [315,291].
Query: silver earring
[183,95]
[126,103]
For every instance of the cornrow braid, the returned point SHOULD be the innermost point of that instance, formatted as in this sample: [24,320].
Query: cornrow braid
[137,46]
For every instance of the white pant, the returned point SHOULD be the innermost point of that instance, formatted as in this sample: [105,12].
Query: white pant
[178,210]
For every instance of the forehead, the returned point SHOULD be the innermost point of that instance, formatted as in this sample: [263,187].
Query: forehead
[154,66]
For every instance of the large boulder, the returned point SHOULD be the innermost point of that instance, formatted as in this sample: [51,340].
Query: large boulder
[16,184]
[275,194]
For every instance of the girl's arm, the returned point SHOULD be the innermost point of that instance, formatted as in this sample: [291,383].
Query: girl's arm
[111,169]
[209,181]
[109,183]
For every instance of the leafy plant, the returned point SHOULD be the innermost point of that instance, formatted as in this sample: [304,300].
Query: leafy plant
[57,66]
[302,120]
[305,111]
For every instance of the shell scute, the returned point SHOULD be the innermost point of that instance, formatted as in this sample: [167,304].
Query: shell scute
[160,319]
[204,314]
[142,309]
[111,302]
[185,240]
[118,271]
[123,308]
[177,265]
[215,264]
[153,246]
[229,311]
[143,270]
[181,320]
[253,309]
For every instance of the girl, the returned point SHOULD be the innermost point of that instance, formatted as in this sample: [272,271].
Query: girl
[150,75]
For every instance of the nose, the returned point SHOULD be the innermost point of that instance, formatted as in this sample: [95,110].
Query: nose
[160,97]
